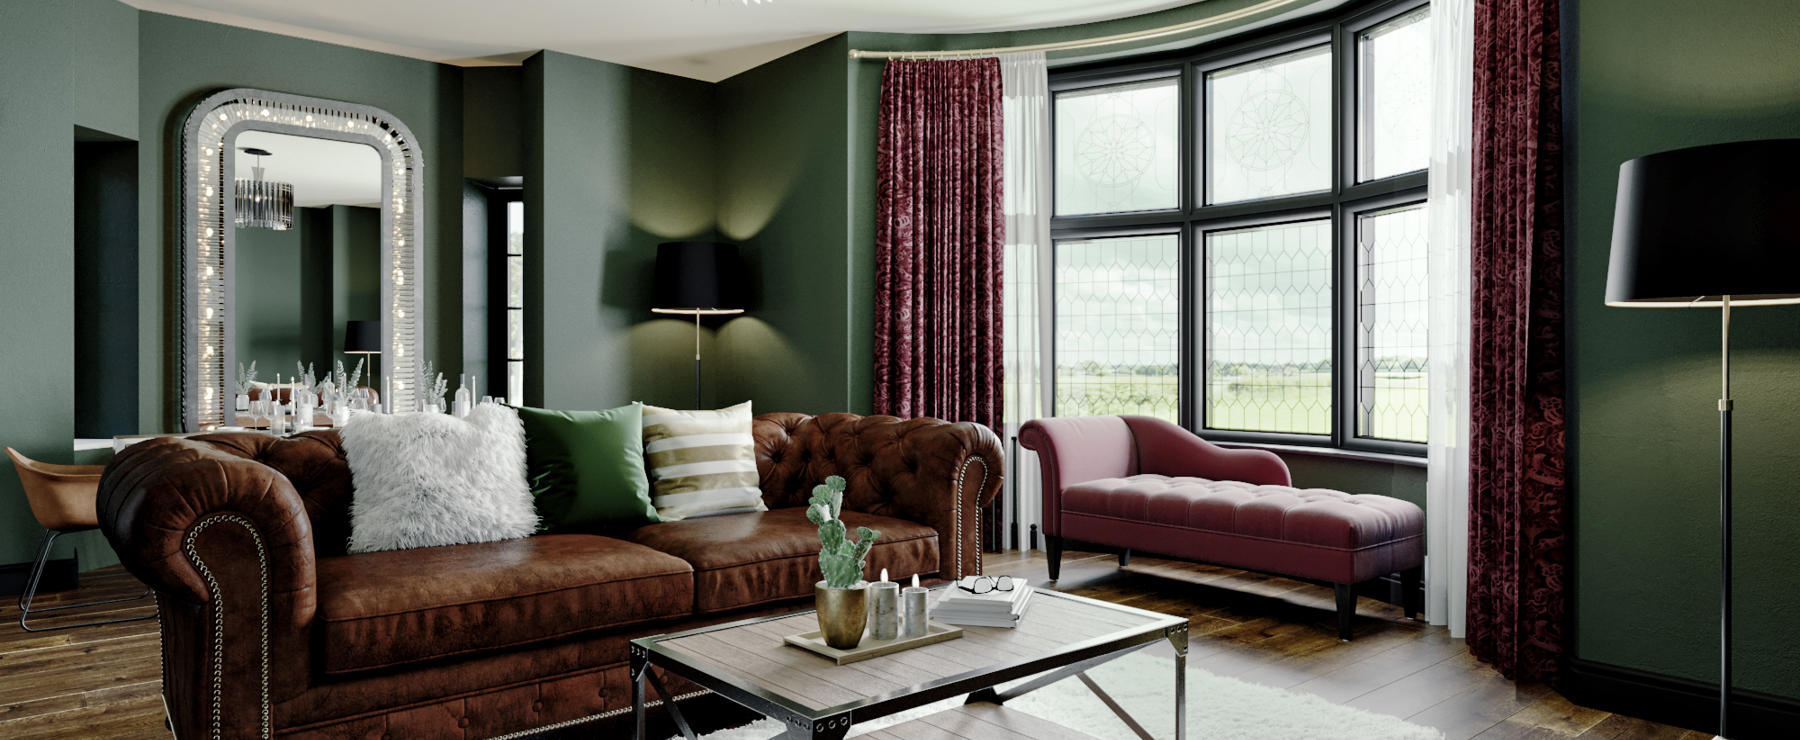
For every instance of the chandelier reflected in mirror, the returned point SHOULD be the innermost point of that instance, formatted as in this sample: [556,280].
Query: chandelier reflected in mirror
[262,203]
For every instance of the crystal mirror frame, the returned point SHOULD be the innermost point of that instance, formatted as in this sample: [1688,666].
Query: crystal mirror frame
[207,213]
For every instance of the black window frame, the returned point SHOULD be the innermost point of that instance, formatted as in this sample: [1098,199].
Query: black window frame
[1344,201]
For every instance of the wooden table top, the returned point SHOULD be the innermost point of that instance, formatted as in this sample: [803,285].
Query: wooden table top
[1058,629]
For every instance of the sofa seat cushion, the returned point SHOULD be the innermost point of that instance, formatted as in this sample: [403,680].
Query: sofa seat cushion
[383,609]
[1309,532]
[758,558]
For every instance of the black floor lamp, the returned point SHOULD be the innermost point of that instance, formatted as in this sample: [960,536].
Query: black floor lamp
[698,279]
[1710,227]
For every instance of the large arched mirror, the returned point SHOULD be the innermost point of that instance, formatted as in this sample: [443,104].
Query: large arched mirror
[300,217]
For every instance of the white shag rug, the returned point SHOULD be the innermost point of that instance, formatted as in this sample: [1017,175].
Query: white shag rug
[1219,708]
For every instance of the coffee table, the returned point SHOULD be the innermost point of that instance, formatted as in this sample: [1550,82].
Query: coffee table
[1062,636]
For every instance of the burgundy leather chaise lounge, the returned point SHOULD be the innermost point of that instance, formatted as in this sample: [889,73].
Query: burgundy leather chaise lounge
[1144,484]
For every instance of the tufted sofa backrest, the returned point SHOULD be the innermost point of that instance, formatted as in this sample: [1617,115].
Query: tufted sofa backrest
[882,458]
[894,467]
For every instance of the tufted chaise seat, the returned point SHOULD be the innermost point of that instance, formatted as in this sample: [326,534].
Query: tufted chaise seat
[1144,484]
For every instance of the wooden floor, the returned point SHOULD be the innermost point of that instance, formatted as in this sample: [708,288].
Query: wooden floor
[102,682]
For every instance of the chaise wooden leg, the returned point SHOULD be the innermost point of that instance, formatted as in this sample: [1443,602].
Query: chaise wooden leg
[1411,598]
[1346,608]
[1124,557]
[1053,551]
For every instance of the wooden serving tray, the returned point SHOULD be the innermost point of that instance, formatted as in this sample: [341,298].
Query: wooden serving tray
[871,647]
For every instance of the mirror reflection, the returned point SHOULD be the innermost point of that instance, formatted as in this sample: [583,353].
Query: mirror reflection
[306,263]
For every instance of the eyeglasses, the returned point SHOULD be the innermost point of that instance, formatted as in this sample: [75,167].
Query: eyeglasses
[988,584]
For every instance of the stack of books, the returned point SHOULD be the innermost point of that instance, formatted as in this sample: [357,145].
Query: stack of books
[992,609]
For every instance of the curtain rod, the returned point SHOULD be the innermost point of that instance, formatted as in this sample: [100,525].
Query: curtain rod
[1120,38]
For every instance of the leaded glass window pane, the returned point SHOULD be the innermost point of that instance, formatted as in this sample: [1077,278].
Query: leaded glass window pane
[1118,148]
[1269,127]
[1391,304]
[1393,107]
[515,282]
[1118,326]
[1268,328]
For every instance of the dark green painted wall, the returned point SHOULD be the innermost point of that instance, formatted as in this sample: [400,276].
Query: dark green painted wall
[617,160]
[1652,75]
[493,142]
[269,303]
[297,288]
[105,284]
[784,195]
[54,77]
[356,278]
[37,151]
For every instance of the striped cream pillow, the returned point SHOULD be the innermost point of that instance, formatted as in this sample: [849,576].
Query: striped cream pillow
[701,462]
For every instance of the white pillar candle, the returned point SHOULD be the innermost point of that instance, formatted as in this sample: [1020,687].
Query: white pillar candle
[884,603]
[917,616]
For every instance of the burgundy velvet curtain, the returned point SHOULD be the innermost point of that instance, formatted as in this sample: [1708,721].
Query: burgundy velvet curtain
[939,238]
[1518,498]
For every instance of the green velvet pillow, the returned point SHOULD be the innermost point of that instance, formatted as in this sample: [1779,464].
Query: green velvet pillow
[586,468]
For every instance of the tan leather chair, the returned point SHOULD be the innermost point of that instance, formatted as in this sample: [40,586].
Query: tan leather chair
[62,500]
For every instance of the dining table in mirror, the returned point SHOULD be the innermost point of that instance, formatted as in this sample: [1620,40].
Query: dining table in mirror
[300,262]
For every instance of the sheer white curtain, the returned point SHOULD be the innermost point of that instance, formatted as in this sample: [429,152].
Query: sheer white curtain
[1025,85]
[1447,480]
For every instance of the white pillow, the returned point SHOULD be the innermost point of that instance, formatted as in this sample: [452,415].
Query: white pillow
[423,480]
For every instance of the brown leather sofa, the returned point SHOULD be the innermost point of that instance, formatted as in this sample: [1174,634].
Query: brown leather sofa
[269,629]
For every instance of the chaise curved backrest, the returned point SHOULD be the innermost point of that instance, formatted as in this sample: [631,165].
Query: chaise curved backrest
[1166,449]
[1075,450]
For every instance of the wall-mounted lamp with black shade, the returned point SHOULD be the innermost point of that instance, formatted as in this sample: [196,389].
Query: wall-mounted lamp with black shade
[698,279]
[1710,227]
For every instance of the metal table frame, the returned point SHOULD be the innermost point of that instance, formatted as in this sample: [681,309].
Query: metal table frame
[833,723]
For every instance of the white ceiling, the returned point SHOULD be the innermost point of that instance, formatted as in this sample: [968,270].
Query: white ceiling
[323,172]
[703,39]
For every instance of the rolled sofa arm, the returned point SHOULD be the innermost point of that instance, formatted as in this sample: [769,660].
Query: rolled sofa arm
[226,543]
[929,471]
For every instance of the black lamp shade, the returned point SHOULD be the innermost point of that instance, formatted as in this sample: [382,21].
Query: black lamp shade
[1692,225]
[698,277]
[362,337]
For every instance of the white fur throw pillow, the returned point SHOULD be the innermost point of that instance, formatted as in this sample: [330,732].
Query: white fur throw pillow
[423,480]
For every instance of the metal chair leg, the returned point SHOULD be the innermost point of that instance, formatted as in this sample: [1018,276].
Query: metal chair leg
[37,575]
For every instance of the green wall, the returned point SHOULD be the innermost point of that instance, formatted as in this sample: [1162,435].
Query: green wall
[63,64]
[616,160]
[784,196]
[296,288]
[356,280]
[36,287]
[269,304]
[1653,75]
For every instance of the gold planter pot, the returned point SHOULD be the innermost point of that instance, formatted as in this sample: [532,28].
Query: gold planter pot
[843,614]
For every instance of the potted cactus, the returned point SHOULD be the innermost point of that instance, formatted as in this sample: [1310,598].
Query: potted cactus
[841,598]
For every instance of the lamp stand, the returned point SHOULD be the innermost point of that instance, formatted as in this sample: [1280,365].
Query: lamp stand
[1724,513]
[697,359]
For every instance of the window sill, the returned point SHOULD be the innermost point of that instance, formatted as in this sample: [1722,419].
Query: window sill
[1410,461]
